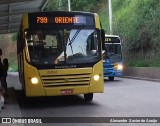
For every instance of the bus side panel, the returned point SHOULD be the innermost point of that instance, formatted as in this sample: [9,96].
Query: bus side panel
[97,86]
[25,22]
[32,89]
[97,21]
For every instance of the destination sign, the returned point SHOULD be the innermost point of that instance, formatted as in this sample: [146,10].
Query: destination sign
[112,40]
[55,19]
[61,20]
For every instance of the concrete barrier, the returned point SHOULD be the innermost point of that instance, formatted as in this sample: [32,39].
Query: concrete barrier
[143,72]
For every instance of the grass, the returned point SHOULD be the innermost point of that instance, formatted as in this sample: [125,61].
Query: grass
[143,63]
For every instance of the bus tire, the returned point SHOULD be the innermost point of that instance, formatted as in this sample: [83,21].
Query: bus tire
[88,97]
[111,78]
[26,99]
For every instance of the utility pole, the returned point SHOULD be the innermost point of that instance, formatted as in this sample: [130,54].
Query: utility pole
[60,5]
[110,16]
[69,5]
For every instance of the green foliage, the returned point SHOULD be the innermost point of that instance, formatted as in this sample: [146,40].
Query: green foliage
[105,23]
[52,5]
[138,63]
[84,5]
[143,63]
[13,66]
[14,36]
[138,23]
[76,5]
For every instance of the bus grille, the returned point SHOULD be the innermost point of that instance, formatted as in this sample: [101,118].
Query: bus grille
[108,66]
[66,80]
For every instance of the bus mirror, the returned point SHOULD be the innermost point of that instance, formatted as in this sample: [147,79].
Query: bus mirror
[28,36]
[103,39]
[23,44]
[20,45]
[44,36]
[44,43]
[29,41]
[103,54]
[41,36]
[103,35]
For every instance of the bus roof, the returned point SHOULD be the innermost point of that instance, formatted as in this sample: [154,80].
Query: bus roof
[112,36]
[74,12]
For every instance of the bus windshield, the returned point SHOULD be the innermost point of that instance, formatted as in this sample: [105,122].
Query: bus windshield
[63,46]
[113,52]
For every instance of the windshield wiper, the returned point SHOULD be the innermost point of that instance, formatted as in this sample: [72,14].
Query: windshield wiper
[70,45]
[73,38]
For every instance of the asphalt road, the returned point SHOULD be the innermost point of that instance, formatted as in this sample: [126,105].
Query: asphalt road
[121,98]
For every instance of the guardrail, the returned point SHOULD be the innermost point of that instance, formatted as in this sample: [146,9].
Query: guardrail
[143,72]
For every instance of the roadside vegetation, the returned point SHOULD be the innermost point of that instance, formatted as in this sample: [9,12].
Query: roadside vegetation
[137,22]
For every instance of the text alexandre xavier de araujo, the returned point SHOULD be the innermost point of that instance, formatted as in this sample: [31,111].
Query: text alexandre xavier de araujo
[129,120]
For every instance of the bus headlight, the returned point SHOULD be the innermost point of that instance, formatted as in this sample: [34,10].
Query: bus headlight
[119,67]
[34,80]
[96,77]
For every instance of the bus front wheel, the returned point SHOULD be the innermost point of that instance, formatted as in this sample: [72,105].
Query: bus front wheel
[88,97]
[111,78]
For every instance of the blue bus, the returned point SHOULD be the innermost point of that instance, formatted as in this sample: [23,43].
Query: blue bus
[112,57]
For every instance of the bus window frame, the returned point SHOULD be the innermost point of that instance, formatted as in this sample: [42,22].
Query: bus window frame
[40,66]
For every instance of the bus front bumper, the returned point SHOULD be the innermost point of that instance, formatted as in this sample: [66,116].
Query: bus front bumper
[112,73]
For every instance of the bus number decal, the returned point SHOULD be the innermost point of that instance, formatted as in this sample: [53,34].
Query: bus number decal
[42,20]
[51,72]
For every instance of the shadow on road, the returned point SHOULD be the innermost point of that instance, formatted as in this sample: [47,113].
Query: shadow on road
[52,101]
[114,81]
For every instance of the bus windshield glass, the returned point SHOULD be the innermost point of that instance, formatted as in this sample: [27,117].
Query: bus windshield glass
[63,46]
[113,49]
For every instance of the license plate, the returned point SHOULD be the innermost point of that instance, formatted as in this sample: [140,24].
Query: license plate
[67,91]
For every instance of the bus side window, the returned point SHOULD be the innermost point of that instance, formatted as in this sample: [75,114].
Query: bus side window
[92,44]
[20,43]
[59,42]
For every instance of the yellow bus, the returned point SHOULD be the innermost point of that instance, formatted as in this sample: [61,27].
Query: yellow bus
[59,53]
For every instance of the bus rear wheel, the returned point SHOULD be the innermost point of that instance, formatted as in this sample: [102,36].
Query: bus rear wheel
[111,78]
[88,97]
